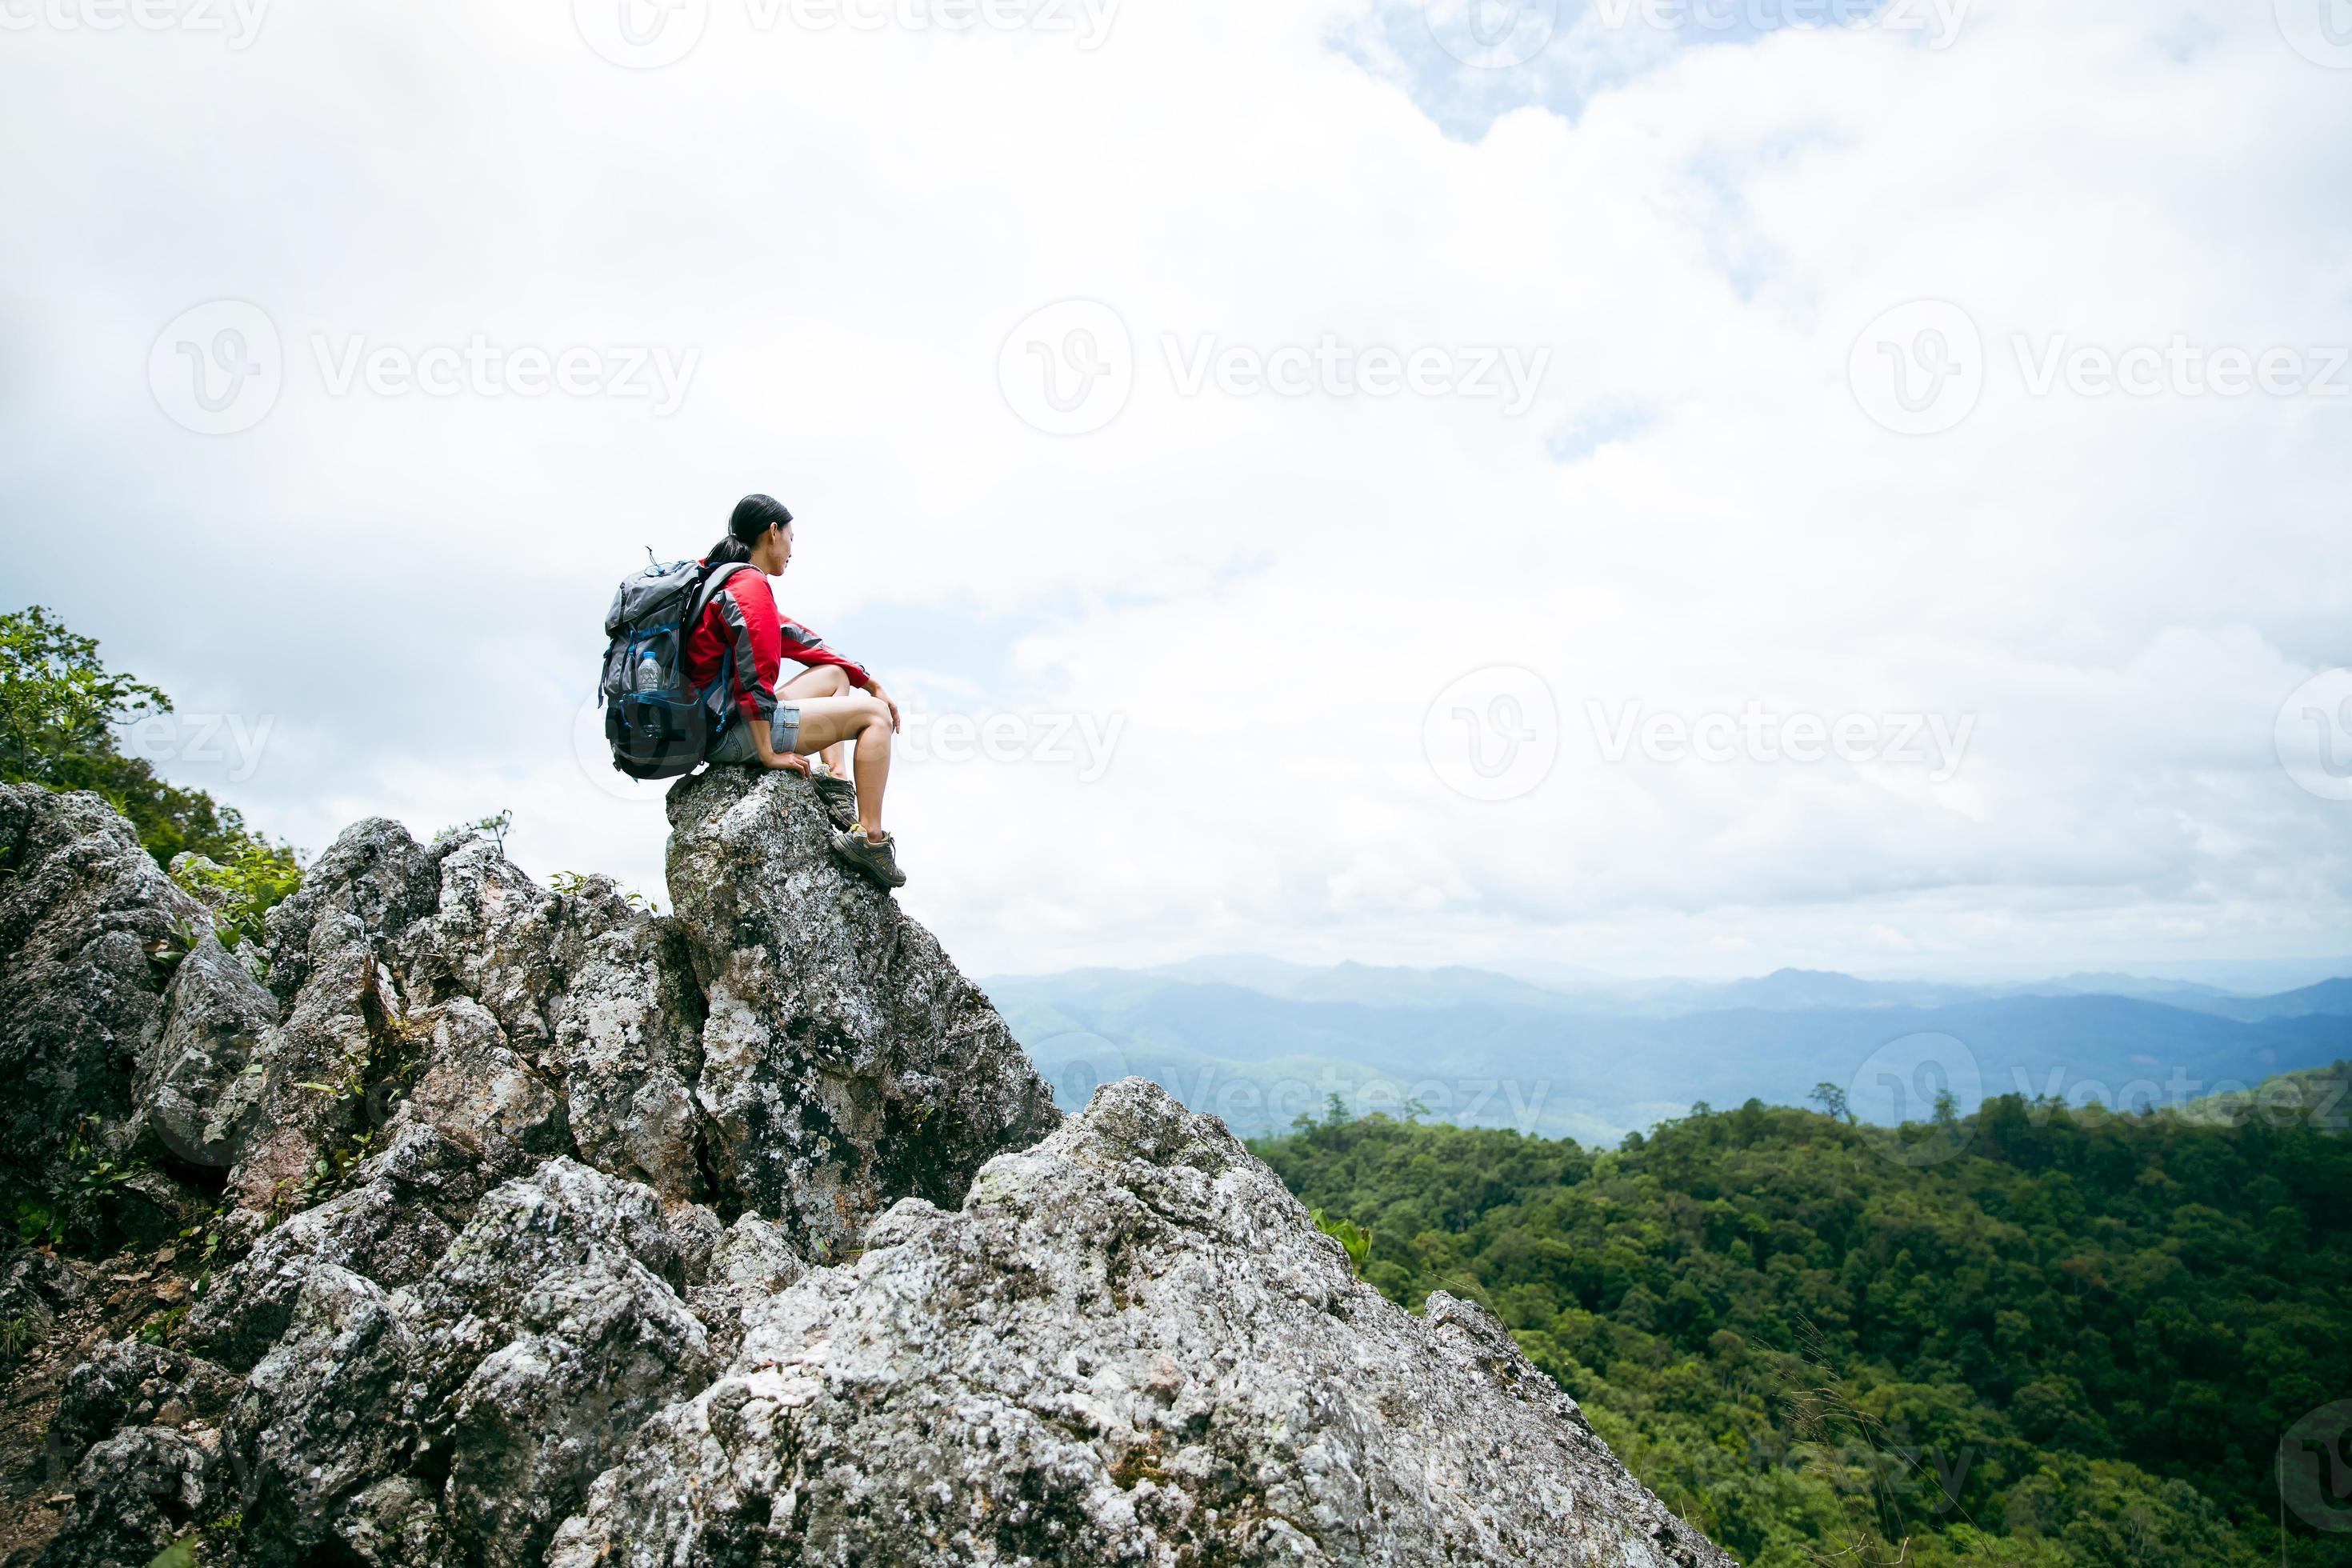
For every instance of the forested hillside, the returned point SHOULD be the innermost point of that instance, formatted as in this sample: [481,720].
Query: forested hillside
[2051,1340]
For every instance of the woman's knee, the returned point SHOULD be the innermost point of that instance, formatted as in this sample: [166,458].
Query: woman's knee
[819,680]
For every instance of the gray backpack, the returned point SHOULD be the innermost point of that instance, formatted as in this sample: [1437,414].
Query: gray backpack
[659,723]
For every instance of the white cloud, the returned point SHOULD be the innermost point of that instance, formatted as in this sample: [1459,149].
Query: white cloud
[1268,591]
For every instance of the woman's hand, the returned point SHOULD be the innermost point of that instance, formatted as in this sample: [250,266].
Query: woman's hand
[763,742]
[874,688]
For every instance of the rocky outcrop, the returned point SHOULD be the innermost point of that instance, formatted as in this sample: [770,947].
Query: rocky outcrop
[845,1062]
[87,924]
[1130,1344]
[551,1230]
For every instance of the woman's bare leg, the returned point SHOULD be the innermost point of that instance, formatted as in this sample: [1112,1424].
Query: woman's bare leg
[859,716]
[822,680]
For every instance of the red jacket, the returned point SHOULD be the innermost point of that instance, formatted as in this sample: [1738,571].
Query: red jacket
[742,616]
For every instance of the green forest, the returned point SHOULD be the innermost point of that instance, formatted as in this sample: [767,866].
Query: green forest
[2032,1336]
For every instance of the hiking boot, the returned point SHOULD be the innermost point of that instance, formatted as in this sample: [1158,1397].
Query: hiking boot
[878,860]
[831,785]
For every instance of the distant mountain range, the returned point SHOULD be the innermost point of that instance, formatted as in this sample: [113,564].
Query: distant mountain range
[1260,1042]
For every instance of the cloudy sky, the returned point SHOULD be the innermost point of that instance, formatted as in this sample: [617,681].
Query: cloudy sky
[1660,488]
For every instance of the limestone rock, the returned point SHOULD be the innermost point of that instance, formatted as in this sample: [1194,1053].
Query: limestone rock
[1130,1345]
[194,1086]
[128,1384]
[476,1091]
[134,1494]
[392,1228]
[544,1245]
[845,1062]
[628,1039]
[85,916]
[323,1414]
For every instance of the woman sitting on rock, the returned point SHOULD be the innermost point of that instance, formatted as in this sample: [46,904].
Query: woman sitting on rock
[830,702]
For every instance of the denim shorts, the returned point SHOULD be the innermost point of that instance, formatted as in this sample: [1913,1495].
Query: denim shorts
[736,745]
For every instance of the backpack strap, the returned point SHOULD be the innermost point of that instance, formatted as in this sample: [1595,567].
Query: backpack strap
[712,581]
[714,696]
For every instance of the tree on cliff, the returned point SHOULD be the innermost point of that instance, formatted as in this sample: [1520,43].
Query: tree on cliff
[60,712]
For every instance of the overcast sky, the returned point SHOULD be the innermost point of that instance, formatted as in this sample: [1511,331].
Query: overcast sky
[1338,479]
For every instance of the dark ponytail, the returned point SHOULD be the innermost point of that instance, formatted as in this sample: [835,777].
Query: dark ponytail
[754,515]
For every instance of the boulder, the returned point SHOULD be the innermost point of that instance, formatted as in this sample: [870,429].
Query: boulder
[628,1041]
[128,1384]
[89,926]
[323,1416]
[1130,1344]
[845,1062]
[410,1202]
[329,947]
[475,1089]
[193,1088]
[497,938]
[134,1494]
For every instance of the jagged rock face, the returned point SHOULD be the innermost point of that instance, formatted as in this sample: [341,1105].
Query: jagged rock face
[85,914]
[1131,1345]
[530,1204]
[135,1493]
[515,1368]
[128,1384]
[194,1086]
[628,1030]
[845,1061]
[408,1206]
